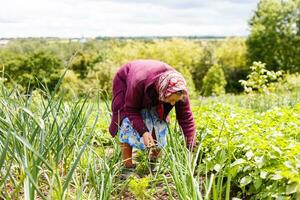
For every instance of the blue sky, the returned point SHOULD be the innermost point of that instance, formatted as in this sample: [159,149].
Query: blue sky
[91,18]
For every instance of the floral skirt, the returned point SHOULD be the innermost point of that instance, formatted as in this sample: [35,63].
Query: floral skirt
[129,135]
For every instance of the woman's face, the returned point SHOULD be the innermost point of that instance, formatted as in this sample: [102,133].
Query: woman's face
[173,98]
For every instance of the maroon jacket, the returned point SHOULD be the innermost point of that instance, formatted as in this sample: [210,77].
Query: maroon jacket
[134,89]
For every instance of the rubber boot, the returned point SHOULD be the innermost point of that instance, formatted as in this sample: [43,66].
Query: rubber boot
[127,155]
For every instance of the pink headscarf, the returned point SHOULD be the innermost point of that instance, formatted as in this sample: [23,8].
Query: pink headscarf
[170,82]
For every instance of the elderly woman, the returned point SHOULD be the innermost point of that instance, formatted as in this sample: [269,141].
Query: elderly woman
[144,92]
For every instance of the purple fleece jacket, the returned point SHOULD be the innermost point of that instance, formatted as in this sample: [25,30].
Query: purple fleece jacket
[134,89]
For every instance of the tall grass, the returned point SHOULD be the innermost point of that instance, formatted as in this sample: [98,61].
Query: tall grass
[43,140]
[189,177]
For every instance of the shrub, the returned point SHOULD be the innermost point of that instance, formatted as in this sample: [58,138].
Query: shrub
[260,78]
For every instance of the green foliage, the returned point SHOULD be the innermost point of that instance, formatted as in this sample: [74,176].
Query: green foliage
[232,56]
[263,147]
[138,187]
[100,78]
[291,82]
[32,69]
[260,78]
[72,86]
[95,62]
[81,64]
[142,168]
[214,82]
[205,61]
[287,83]
[275,34]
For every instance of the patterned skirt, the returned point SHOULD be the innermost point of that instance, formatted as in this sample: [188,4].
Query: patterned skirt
[129,135]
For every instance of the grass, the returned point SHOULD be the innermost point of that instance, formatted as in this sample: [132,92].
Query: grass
[43,141]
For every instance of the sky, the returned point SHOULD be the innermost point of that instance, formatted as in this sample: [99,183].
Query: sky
[92,18]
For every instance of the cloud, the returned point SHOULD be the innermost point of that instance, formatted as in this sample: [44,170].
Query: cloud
[175,4]
[74,18]
[4,20]
[186,4]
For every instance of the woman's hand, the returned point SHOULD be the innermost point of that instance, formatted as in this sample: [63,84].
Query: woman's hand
[148,140]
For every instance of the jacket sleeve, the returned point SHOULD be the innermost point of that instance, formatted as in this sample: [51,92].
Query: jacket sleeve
[185,119]
[134,105]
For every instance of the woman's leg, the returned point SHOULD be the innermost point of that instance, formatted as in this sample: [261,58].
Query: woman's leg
[128,138]
[126,150]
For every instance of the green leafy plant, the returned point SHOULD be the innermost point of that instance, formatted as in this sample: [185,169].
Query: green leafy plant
[138,187]
[260,78]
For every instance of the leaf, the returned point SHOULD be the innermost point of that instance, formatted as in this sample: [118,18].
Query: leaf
[38,121]
[257,183]
[276,149]
[245,181]
[238,162]
[288,164]
[249,155]
[28,112]
[263,174]
[259,161]
[298,165]
[292,188]
[276,177]
[217,167]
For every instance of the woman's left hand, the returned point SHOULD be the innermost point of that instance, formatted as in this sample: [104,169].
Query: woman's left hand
[148,140]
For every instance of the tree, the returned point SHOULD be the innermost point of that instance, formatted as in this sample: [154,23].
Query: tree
[201,66]
[275,34]
[232,56]
[32,69]
[81,64]
[214,81]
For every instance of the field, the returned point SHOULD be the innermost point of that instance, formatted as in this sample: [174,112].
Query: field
[244,87]
[52,148]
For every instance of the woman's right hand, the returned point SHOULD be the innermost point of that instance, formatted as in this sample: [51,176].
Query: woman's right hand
[148,140]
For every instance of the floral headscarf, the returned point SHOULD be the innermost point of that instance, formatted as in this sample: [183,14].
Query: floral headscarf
[169,83]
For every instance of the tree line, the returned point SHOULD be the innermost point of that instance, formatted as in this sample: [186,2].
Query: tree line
[211,67]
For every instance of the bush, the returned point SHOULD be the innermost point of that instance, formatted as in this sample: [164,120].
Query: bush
[260,79]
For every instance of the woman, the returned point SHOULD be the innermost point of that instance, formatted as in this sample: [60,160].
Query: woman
[144,92]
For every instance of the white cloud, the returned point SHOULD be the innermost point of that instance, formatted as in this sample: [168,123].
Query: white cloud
[74,18]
